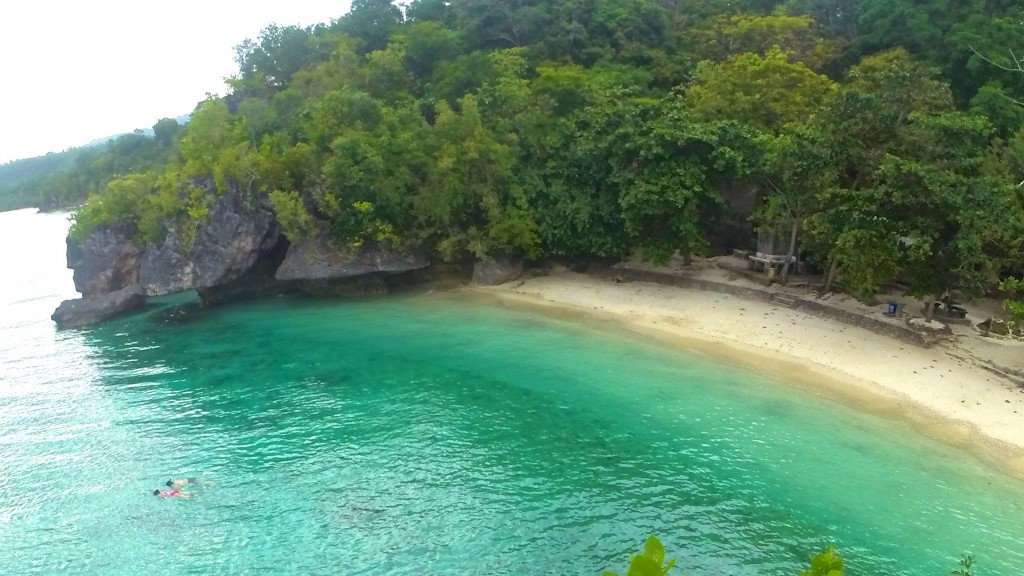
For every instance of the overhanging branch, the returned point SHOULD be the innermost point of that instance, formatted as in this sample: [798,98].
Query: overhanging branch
[1017,65]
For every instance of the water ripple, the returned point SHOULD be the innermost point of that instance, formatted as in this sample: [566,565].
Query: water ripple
[417,436]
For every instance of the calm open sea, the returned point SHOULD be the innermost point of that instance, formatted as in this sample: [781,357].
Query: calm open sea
[421,435]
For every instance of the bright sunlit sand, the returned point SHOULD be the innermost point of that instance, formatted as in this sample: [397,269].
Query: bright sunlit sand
[945,397]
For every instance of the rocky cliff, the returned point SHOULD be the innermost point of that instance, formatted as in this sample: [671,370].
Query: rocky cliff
[237,251]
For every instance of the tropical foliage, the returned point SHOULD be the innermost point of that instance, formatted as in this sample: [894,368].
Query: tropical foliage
[884,140]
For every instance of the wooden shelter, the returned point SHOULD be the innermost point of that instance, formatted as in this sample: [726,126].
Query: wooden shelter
[771,252]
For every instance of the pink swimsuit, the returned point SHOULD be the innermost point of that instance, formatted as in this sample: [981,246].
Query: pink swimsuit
[170,493]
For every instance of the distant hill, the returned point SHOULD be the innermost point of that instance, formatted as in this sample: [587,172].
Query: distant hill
[17,172]
[60,179]
[183,119]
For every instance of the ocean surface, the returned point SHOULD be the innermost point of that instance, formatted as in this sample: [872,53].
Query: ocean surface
[423,435]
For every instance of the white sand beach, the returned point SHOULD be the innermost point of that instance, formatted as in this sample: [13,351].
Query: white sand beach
[940,391]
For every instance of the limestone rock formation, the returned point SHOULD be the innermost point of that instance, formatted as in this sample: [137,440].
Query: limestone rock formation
[236,251]
[236,234]
[492,271]
[322,259]
[96,308]
[106,261]
[227,244]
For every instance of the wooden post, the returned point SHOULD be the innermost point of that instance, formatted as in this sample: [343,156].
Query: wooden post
[789,254]
[831,274]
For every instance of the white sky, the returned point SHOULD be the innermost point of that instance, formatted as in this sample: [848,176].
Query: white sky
[72,71]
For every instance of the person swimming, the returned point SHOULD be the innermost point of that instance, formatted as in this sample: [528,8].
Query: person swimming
[172,493]
[181,482]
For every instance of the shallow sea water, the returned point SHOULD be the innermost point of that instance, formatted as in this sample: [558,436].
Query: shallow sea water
[423,435]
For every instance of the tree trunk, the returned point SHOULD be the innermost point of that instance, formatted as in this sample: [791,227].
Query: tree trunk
[687,258]
[831,274]
[790,253]
[929,309]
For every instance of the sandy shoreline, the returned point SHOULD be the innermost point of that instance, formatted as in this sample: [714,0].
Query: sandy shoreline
[943,396]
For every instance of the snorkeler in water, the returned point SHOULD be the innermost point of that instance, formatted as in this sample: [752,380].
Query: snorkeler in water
[181,482]
[172,493]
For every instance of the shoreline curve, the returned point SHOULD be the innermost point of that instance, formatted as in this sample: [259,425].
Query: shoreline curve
[972,410]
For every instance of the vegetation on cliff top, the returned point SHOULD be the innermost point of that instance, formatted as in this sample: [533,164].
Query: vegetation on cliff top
[887,139]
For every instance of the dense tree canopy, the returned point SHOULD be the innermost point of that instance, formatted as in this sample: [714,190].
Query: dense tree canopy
[884,140]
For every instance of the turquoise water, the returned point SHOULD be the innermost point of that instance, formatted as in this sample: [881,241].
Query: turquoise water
[419,435]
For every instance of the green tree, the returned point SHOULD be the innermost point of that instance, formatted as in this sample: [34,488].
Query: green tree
[165,132]
[146,206]
[297,223]
[764,92]
[370,176]
[465,74]
[1005,112]
[837,18]
[795,170]
[325,119]
[917,25]
[902,84]
[981,51]
[211,140]
[439,11]
[341,68]
[387,78]
[498,24]
[427,44]
[726,36]
[372,23]
[663,168]
[268,63]
[944,204]
[1013,289]
[578,207]
[471,202]
[856,132]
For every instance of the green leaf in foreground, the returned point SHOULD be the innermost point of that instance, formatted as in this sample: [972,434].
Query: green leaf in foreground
[827,563]
[964,568]
[650,562]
